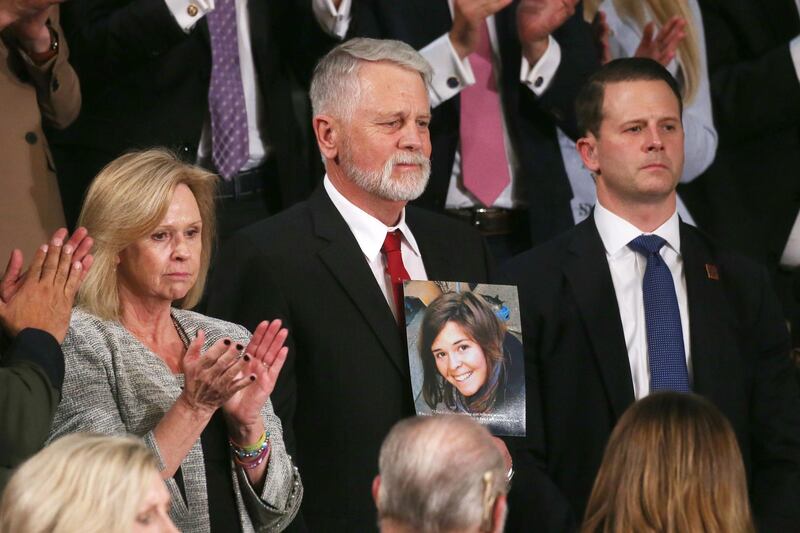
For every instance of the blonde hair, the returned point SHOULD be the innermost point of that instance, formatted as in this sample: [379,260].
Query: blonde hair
[125,202]
[82,482]
[688,53]
[672,464]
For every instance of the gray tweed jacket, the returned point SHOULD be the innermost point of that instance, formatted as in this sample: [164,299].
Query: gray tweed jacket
[116,385]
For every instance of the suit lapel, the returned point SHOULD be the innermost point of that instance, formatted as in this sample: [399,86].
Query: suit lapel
[346,262]
[586,270]
[708,312]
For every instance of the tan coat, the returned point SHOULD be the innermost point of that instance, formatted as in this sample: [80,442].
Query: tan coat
[30,203]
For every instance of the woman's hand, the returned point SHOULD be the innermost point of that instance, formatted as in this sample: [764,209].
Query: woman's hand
[213,377]
[265,355]
[662,47]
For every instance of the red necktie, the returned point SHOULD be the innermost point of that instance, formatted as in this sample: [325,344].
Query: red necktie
[483,153]
[396,269]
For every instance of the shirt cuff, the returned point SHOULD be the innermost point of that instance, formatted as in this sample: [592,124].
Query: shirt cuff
[791,253]
[188,12]
[539,76]
[451,74]
[794,49]
[334,21]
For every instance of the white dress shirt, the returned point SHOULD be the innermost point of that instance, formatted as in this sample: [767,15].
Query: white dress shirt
[370,234]
[448,65]
[791,253]
[627,273]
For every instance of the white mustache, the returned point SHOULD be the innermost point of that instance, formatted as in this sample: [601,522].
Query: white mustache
[409,158]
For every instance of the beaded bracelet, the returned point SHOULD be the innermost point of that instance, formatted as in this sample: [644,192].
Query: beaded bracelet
[252,455]
[255,462]
[257,447]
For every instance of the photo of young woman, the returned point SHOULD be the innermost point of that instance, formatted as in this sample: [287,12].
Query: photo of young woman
[471,363]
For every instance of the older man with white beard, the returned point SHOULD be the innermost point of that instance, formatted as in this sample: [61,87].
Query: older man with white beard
[331,269]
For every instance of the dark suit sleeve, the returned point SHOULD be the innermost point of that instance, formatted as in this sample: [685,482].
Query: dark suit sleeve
[31,375]
[737,81]
[244,289]
[114,37]
[775,431]
[534,498]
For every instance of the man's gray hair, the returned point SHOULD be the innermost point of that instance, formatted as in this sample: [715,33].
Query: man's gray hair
[439,473]
[335,88]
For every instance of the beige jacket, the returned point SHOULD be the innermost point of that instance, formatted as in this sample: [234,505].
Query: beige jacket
[30,203]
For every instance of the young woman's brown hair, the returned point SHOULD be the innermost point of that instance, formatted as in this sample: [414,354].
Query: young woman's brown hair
[672,465]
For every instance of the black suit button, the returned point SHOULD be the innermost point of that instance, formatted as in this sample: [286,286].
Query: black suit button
[538,82]
[55,85]
[453,82]
[31,137]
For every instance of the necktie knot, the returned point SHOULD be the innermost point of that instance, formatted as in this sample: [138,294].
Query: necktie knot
[392,241]
[647,244]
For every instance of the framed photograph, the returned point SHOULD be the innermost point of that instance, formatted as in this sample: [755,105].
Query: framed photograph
[465,352]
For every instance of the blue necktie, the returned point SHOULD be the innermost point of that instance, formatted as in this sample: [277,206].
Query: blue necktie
[665,351]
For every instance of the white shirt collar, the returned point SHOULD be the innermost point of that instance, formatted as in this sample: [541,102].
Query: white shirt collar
[616,232]
[368,230]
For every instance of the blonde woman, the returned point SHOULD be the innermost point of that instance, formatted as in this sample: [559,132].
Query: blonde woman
[670,32]
[672,464]
[195,388]
[93,484]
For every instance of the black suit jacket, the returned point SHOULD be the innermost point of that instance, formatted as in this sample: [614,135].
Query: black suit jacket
[531,121]
[750,196]
[579,380]
[346,380]
[145,83]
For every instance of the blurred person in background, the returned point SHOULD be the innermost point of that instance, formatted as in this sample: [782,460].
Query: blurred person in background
[749,199]
[93,484]
[194,388]
[220,82]
[670,32]
[37,85]
[440,474]
[671,464]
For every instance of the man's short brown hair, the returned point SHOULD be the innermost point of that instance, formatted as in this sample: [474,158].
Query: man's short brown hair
[589,103]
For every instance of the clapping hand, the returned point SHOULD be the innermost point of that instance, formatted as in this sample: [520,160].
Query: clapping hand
[536,20]
[42,297]
[213,377]
[266,355]
[601,32]
[468,15]
[661,47]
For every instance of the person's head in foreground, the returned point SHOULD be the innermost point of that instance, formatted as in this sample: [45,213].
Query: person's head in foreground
[152,219]
[440,474]
[371,116]
[87,483]
[672,464]
[629,113]
[461,349]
